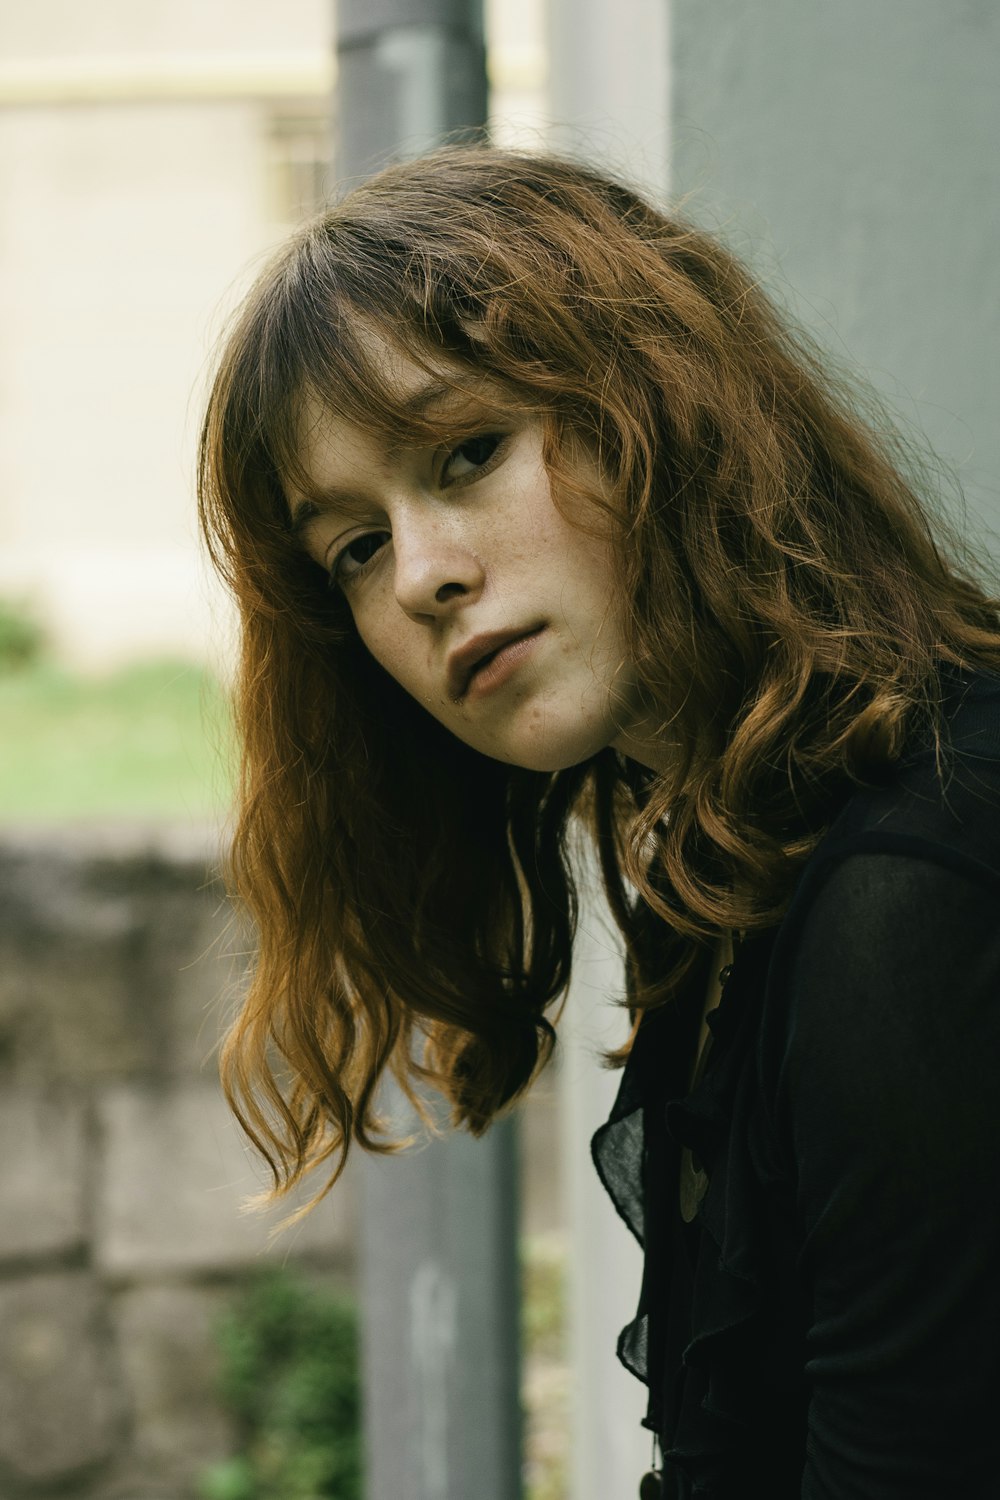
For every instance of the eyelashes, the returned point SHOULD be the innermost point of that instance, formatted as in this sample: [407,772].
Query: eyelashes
[352,560]
[471,457]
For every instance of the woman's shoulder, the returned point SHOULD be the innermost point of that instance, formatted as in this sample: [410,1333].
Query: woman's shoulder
[900,900]
[940,803]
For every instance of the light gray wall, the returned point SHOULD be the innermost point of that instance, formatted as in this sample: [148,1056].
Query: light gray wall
[854,149]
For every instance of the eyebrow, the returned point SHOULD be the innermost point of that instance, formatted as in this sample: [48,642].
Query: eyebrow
[318,502]
[304,512]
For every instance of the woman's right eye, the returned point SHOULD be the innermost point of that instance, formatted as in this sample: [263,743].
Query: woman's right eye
[352,560]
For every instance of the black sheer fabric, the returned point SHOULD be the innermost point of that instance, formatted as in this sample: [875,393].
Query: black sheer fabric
[829,1325]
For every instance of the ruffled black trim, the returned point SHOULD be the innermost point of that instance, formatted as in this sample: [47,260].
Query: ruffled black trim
[617,1151]
[620,1149]
[718,1403]
[714,1402]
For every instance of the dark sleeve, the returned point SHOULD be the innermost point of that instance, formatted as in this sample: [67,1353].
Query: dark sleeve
[889,1098]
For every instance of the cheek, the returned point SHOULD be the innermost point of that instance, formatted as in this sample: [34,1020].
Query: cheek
[590,564]
[373,624]
[384,631]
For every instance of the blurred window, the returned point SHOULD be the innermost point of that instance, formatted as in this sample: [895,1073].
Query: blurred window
[299,162]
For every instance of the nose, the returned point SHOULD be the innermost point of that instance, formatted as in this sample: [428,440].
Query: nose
[434,568]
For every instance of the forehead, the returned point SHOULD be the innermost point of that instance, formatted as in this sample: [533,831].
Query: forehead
[392,368]
[416,386]
[399,401]
[418,401]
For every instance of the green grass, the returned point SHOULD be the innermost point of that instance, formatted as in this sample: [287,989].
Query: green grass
[149,741]
[546,1379]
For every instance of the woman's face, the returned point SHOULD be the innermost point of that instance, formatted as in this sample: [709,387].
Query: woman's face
[465,582]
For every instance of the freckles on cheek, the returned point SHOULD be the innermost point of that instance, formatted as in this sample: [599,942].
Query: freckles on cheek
[373,626]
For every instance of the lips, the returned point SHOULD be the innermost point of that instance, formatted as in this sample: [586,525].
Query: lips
[464,662]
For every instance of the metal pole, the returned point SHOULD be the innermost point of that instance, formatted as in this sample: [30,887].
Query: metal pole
[440,1321]
[440,1279]
[410,73]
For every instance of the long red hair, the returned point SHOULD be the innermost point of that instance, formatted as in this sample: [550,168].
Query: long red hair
[789,610]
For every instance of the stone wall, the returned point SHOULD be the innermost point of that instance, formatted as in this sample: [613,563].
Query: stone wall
[121,1174]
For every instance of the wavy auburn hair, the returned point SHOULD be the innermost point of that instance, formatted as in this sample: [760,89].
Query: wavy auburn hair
[788,612]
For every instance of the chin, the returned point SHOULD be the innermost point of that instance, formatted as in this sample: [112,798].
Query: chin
[549,755]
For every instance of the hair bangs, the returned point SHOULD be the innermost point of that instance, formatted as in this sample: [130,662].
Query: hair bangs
[787,610]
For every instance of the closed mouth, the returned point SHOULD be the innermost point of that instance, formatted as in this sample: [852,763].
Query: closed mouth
[476,656]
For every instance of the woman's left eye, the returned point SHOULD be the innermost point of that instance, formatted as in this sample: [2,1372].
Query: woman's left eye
[471,456]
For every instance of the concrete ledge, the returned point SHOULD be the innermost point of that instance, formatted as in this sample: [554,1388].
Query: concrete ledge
[60,1392]
[173,1177]
[43,1172]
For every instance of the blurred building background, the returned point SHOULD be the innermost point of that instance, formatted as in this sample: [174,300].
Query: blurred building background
[147,154]
[151,154]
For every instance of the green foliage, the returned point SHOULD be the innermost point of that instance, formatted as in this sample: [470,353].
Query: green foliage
[152,740]
[543,1297]
[545,1375]
[21,637]
[290,1378]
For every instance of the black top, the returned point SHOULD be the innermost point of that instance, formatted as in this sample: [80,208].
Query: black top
[828,1326]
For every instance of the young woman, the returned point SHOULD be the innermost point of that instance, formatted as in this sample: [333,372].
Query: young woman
[538,517]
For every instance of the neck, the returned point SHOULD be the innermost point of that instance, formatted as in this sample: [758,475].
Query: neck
[647,746]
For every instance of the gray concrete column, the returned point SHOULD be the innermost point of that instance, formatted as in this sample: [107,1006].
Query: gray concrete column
[609,103]
[609,86]
[852,151]
[440,1299]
